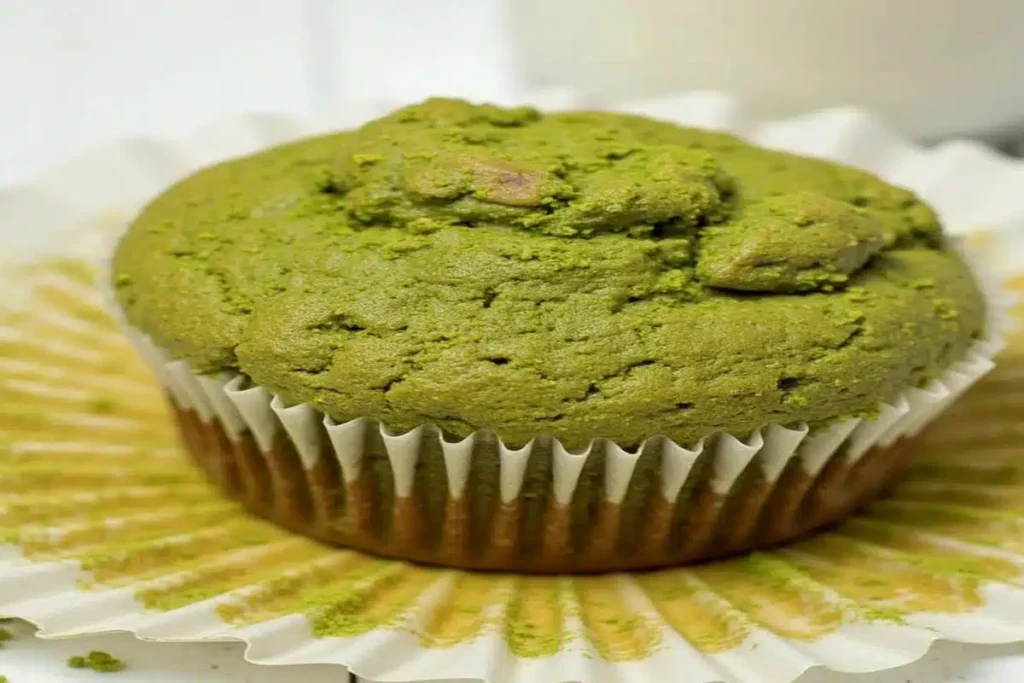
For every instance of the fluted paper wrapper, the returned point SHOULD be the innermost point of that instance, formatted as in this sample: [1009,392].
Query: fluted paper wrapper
[106,526]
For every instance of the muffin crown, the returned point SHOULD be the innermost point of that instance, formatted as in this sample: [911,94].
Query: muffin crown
[579,274]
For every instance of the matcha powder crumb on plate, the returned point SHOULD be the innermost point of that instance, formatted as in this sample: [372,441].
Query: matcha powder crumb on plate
[498,339]
[98,661]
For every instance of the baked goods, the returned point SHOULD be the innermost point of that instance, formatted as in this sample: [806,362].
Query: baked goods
[545,285]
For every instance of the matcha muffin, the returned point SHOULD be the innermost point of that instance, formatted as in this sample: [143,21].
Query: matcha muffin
[502,339]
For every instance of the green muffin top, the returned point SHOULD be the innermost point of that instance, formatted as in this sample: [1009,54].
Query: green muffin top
[577,274]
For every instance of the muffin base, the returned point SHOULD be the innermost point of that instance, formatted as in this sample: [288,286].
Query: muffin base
[700,525]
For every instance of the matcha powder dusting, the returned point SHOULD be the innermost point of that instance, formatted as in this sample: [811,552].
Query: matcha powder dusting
[574,274]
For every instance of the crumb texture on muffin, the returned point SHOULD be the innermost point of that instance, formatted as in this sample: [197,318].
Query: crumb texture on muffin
[577,274]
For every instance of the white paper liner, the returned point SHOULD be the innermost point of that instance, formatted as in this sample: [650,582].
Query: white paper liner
[970,187]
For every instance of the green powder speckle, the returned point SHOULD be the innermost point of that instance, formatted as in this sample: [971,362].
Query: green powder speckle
[534,619]
[352,611]
[479,267]
[98,661]
[101,405]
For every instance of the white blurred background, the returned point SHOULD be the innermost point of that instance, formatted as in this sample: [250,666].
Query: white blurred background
[74,73]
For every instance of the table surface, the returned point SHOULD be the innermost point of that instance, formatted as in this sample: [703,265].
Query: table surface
[77,73]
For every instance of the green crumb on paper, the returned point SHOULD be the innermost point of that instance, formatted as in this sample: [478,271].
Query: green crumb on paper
[98,661]
[873,614]
[5,635]
[3,679]
[101,405]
